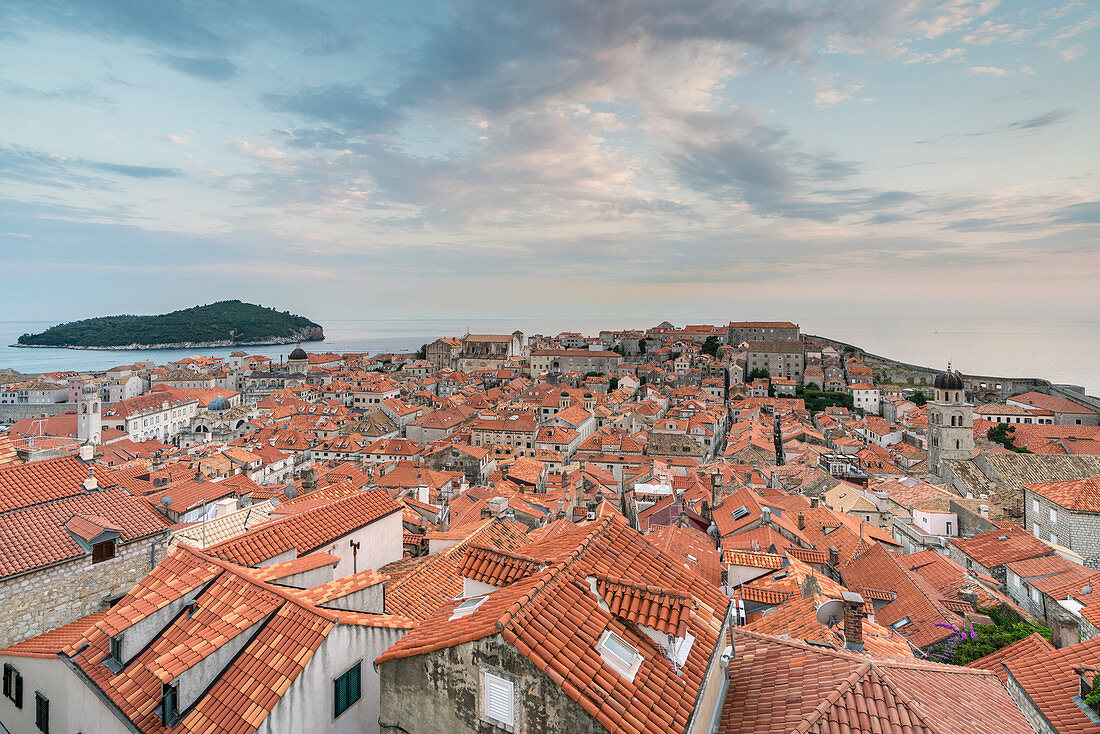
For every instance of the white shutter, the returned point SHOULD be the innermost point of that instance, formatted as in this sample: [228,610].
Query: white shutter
[498,699]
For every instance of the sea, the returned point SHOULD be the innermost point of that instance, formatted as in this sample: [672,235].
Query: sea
[1064,352]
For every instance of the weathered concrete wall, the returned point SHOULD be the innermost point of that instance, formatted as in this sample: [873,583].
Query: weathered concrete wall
[439,693]
[42,600]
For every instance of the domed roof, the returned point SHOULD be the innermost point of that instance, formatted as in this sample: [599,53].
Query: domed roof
[218,403]
[587,394]
[949,380]
[298,353]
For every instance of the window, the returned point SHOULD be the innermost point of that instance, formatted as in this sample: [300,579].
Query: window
[1053,515]
[900,623]
[1035,505]
[13,686]
[347,689]
[169,704]
[116,649]
[1053,539]
[948,528]
[41,712]
[498,699]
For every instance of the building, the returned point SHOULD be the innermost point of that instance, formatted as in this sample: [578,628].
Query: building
[489,351]
[1066,412]
[590,630]
[950,422]
[782,359]
[74,541]
[866,397]
[755,331]
[443,353]
[787,685]
[573,360]
[205,645]
[1066,514]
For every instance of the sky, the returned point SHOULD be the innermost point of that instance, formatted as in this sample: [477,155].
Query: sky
[704,159]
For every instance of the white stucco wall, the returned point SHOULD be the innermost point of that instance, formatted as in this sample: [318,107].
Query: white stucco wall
[307,706]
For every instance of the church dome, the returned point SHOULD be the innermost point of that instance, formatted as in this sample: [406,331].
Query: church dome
[949,381]
[298,353]
[218,404]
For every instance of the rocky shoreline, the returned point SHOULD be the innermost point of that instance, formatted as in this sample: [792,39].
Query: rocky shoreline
[273,341]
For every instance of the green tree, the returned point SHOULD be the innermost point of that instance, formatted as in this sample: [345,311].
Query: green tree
[613,384]
[422,353]
[758,374]
[641,346]
[710,346]
[918,398]
[967,645]
[1005,434]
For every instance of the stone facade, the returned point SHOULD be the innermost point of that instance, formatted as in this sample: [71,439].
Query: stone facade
[1078,531]
[440,693]
[49,597]
[782,359]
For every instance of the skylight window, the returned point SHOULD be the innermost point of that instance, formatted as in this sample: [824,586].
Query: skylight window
[740,512]
[900,623]
[620,648]
[468,606]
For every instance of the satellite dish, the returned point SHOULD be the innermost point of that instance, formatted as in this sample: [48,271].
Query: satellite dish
[290,492]
[166,501]
[831,613]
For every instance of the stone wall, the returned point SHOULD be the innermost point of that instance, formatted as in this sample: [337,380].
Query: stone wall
[440,693]
[50,597]
[12,412]
[1033,715]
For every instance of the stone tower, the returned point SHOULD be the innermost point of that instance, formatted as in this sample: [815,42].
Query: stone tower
[89,416]
[950,422]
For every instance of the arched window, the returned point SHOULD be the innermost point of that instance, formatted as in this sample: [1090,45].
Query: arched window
[957,444]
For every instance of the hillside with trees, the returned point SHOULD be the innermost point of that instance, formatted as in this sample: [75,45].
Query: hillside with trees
[225,323]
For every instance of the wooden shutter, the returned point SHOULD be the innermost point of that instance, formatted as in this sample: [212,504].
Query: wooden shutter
[18,691]
[499,699]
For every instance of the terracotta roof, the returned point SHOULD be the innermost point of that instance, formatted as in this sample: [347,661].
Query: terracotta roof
[419,587]
[301,564]
[752,559]
[24,485]
[998,547]
[490,566]
[37,536]
[338,588]
[555,620]
[49,644]
[1081,495]
[914,599]
[306,531]
[786,686]
[1048,676]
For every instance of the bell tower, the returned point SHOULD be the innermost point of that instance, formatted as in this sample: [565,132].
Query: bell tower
[950,422]
[89,416]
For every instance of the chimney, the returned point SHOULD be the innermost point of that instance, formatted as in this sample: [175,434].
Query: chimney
[881,499]
[87,452]
[497,506]
[834,556]
[90,484]
[716,490]
[853,620]
[815,502]
[766,515]
[422,493]
[984,510]
[801,521]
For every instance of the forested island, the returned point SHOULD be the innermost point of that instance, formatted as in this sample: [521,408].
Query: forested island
[221,324]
